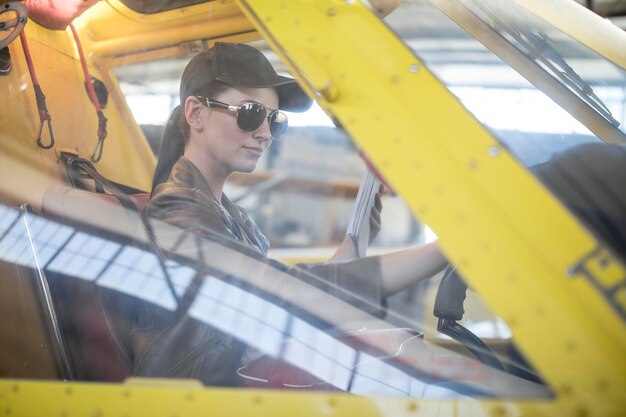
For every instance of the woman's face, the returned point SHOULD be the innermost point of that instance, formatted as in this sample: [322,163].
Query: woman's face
[225,146]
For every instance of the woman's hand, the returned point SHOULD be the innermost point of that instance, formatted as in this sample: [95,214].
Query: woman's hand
[346,250]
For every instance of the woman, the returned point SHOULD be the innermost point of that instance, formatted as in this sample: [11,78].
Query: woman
[230,99]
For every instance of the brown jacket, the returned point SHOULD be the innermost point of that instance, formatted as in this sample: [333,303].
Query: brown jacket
[172,343]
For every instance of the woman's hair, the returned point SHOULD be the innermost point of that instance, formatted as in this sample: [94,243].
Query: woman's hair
[212,90]
[176,134]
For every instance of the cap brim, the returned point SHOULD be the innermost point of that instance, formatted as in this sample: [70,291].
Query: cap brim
[290,96]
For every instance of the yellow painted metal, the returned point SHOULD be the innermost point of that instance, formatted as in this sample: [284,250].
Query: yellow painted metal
[134,32]
[514,242]
[170,398]
[583,25]
[74,121]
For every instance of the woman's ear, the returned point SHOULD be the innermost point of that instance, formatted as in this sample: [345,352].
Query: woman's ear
[193,110]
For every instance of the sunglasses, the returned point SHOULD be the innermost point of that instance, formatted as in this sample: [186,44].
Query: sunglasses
[250,116]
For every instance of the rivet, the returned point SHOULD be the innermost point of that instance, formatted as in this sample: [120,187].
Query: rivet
[257,400]
[96,413]
[603,385]
[7,410]
[571,271]
[566,390]
[570,346]
[473,164]
[190,397]
[412,406]
[332,402]
[395,79]
[414,68]
[498,411]
[126,394]
[15,388]
[69,391]
[581,412]
[25,364]
[493,151]
[331,11]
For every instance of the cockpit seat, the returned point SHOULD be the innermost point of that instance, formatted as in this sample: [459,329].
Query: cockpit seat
[95,209]
[83,306]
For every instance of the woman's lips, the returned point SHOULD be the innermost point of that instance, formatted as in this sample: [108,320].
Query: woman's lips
[257,151]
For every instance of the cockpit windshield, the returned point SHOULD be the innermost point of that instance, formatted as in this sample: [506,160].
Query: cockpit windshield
[264,262]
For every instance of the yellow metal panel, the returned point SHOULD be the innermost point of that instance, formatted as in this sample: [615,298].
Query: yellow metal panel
[134,32]
[514,242]
[74,121]
[169,398]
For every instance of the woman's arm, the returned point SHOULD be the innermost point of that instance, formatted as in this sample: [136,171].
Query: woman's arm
[404,268]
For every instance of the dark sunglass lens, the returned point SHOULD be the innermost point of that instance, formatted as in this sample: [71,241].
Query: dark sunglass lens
[250,116]
[278,124]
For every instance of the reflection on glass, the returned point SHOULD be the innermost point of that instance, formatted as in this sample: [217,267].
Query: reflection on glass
[532,38]
[286,351]
[526,120]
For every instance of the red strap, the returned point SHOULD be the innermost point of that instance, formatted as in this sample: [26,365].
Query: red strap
[40,98]
[102,121]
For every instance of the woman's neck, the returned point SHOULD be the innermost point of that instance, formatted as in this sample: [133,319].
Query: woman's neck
[214,179]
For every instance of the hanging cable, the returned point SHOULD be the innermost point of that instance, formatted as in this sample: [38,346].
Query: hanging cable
[44,115]
[102,121]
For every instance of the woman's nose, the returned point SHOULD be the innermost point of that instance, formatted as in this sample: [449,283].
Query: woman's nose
[263,132]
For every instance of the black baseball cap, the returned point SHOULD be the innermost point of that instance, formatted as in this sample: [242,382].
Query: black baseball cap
[240,65]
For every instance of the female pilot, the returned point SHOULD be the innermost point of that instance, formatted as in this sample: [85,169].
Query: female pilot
[231,101]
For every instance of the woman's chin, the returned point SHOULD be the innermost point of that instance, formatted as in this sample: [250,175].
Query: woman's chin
[247,167]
